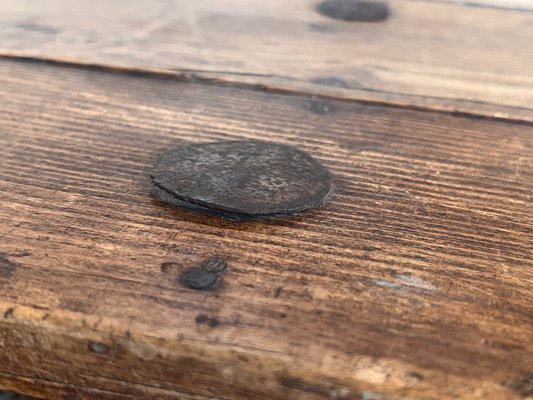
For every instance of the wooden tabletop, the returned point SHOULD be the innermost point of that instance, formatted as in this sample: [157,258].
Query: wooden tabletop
[415,281]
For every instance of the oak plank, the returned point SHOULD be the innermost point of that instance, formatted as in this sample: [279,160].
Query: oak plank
[438,55]
[414,282]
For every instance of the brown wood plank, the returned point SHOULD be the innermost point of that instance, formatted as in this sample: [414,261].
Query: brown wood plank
[414,282]
[514,5]
[439,55]
[39,389]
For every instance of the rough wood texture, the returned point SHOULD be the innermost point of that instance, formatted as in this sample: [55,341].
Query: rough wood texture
[515,5]
[439,55]
[414,282]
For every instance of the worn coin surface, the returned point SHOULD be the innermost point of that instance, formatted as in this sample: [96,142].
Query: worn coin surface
[248,178]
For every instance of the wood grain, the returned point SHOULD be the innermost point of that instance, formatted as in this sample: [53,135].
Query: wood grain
[514,5]
[438,55]
[413,282]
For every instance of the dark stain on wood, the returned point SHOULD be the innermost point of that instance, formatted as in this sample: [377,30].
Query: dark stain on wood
[7,268]
[205,319]
[354,10]
[208,276]
[9,312]
[199,279]
[523,385]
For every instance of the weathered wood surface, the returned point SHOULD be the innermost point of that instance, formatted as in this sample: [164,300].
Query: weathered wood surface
[414,282]
[440,55]
[514,5]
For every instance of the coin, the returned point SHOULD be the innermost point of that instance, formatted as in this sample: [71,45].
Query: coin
[242,178]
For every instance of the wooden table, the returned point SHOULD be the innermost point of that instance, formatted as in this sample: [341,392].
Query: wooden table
[414,282]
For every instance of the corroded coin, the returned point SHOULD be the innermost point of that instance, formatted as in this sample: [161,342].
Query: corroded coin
[244,178]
